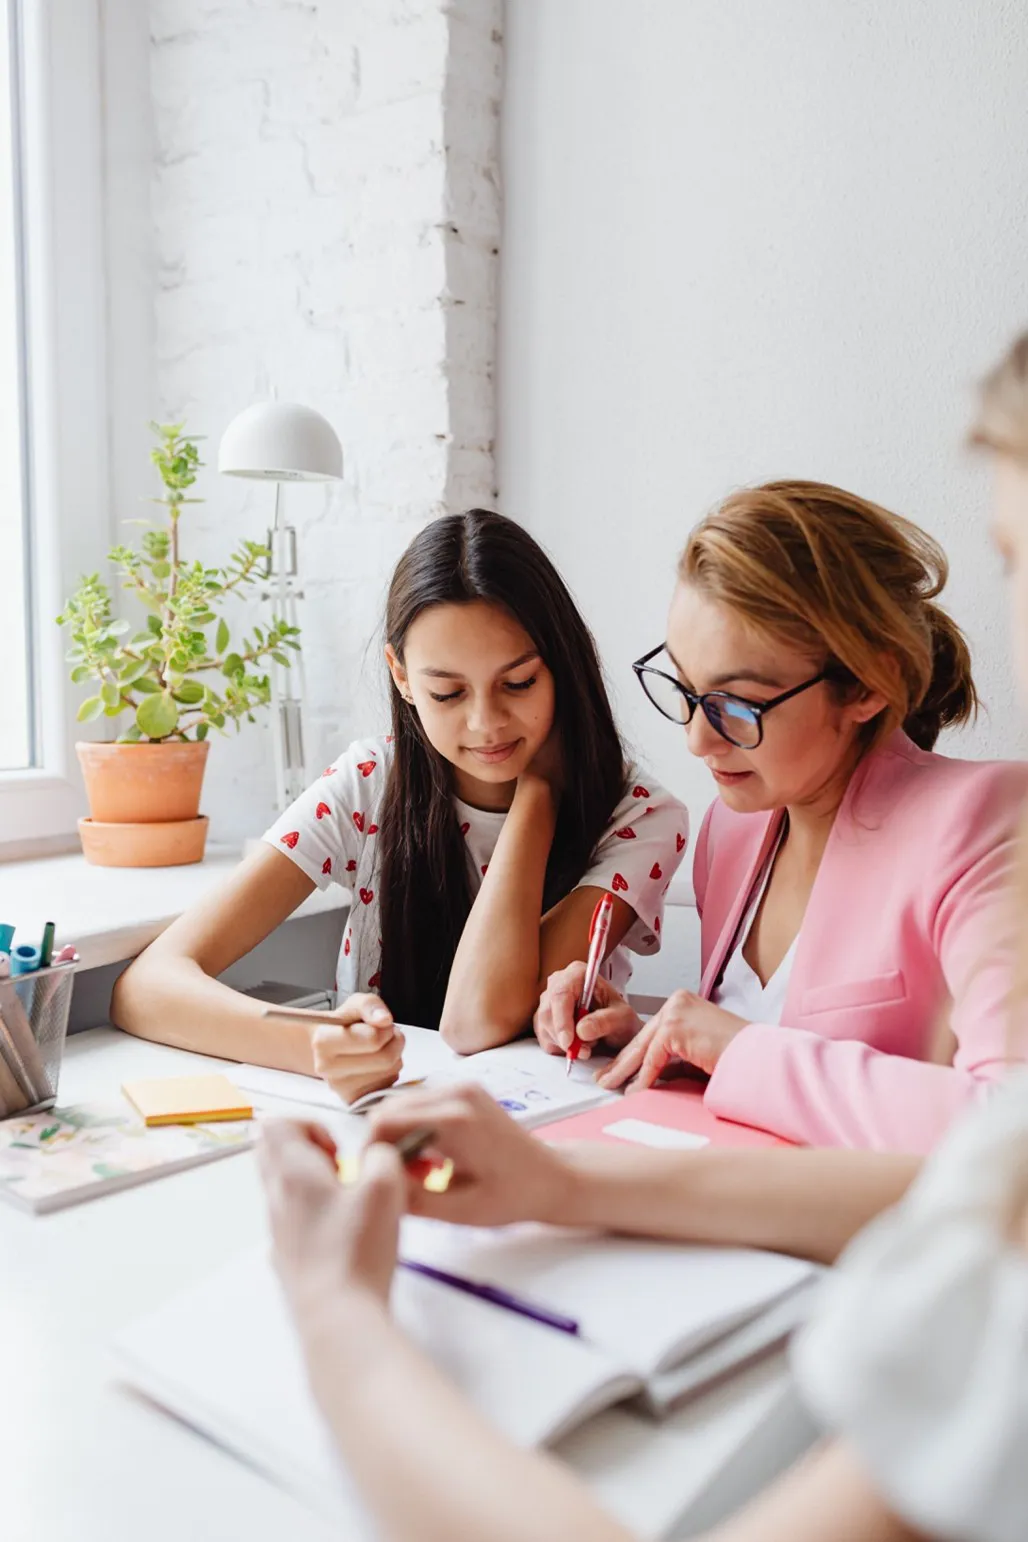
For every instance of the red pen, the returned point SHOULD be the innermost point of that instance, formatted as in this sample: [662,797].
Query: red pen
[599,928]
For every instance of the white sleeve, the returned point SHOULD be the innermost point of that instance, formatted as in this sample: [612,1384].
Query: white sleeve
[919,1352]
[639,855]
[323,831]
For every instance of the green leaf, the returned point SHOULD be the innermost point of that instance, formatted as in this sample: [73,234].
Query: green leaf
[157,716]
[161,569]
[202,730]
[145,686]
[111,694]
[132,669]
[222,637]
[189,692]
[80,672]
[142,639]
[118,628]
[131,735]
[90,709]
[232,665]
[281,658]
[154,624]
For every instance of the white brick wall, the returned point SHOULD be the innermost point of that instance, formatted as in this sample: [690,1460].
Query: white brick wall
[326,209]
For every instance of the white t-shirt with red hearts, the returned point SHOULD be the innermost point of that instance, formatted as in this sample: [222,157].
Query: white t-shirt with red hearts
[330,832]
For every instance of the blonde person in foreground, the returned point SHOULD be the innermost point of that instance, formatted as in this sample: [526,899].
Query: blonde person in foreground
[917,1362]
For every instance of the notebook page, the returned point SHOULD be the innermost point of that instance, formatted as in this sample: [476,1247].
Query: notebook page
[225,1357]
[647,1304]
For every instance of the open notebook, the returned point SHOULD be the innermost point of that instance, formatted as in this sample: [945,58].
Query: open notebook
[225,1358]
[530,1084]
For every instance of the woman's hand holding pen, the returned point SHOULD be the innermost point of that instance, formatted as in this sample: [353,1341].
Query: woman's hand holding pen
[363,1053]
[329,1240]
[500,1173]
[612,1022]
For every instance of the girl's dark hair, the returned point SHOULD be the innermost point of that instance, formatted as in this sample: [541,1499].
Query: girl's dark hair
[424,877]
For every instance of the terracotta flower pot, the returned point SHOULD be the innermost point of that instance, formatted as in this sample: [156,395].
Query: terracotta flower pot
[150,789]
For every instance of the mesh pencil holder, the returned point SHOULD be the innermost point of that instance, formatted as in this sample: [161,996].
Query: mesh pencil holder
[33,1024]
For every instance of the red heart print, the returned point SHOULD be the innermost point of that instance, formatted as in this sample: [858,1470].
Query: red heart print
[627,834]
[321,810]
[649,939]
[656,925]
[358,820]
[619,884]
[465,827]
[328,771]
[346,946]
[649,810]
[326,866]
[679,842]
[640,792]
[372,829]
[375,981]
[367,895]
[351,866]
[655,871]
[389,738]
[291,839]
[365,767]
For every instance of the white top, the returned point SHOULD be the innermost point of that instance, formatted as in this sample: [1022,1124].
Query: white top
[740,990]
[919,1354]
[329,832]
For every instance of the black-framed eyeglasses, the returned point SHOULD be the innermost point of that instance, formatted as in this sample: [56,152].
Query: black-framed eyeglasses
[735,718]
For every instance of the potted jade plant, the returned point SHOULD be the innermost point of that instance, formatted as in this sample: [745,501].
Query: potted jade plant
[168,683]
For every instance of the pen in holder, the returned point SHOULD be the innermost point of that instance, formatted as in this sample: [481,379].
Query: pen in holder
[33,1023]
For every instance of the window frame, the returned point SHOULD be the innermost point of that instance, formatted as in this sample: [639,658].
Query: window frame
[64,296]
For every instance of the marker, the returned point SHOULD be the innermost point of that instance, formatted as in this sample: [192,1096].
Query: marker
[46,947]
[599,930]
[410,1147]
[24,959]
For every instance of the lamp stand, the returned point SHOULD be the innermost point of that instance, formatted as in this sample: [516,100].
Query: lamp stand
[288,686]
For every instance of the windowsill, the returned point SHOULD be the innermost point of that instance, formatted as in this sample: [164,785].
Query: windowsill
[112,913]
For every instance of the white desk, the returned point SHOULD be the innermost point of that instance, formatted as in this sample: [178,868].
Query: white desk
[82,1457]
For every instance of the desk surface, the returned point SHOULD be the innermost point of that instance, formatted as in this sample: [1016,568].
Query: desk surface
[83,1457]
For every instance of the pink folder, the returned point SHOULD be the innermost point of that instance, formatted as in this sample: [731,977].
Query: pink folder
[678,1107]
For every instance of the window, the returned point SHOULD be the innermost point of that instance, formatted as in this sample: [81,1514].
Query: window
[54,498]
[16,715]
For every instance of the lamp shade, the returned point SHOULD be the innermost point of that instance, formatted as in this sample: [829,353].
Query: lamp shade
[281,442]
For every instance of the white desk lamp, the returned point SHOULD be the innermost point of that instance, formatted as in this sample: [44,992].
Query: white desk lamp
[283,442]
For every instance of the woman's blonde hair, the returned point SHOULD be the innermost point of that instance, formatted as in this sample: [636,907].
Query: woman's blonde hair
[849,584]
[1002,425]
[1002,421]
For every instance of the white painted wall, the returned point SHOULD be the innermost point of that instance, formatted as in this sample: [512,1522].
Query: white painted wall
[742,241]
[304,198]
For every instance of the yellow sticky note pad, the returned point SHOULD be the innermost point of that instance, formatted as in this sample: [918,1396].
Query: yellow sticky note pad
[187,1099]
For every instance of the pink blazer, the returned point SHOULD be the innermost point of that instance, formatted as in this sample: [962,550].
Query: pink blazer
[908,930]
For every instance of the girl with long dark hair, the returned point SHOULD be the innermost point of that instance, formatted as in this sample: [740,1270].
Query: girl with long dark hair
[475,838]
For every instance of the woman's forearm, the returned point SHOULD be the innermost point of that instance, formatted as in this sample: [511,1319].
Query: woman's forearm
[169,999]
[426,1462]
[494,980]
[804,1202]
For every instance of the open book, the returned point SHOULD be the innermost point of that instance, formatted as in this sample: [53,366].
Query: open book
[529,1084]
[225,1357]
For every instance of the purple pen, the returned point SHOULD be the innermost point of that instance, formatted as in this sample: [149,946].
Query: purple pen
[496,1295]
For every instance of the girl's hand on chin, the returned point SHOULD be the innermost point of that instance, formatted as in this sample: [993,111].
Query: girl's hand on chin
[547,765]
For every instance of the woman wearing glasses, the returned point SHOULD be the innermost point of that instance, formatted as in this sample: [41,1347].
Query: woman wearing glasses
[848,878]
